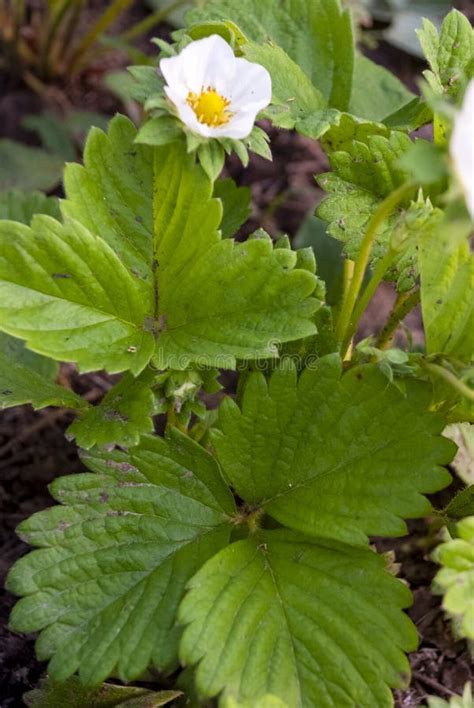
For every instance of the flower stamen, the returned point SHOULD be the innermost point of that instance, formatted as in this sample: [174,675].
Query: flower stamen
[210,107]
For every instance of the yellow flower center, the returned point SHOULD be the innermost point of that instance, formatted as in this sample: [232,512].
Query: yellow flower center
[210,107]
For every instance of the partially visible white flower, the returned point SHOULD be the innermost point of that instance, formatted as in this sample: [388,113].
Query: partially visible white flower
[215,93]
[462,146]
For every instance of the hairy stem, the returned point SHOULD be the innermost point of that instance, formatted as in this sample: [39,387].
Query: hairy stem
[385,209]
[404,304]
[382,266]
[451,379]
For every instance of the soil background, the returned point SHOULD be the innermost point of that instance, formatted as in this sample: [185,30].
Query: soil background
[34,449]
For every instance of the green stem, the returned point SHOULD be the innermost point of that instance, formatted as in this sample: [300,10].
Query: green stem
[404,304]
[451,379]
[149,22]
[109,16]
[375,223]
[377,276]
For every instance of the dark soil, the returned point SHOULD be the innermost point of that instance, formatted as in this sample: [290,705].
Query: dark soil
[34,450]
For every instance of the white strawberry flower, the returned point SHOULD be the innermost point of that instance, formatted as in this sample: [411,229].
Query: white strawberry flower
[215,93]
[462,147]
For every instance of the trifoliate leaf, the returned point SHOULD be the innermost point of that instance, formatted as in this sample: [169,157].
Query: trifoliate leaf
[114,559]
[376,92]
[450,53]
[455,580]
[22,206]
[26,377]
[197,313]
[314,622]
[128,283]
[447,276]
[28,168]
[121,417]
[335,456]
[236,205]
[51,694]
[317,36]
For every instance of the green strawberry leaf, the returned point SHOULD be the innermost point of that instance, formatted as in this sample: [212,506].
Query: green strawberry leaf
[317,36]
[121,417]
[140,271]
[26,377]
[461,505]
[115,557]
[293,94]
[51,694]
[365,158]
[22,206]
[333,456]
[283,614]
[377,93]
[70,297]
[455,580]
[28,168]
[447,272]
[450,53]
[235,203]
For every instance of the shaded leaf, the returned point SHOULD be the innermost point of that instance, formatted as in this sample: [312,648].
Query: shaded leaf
[461,505]
[73,694]
[22,206]
[376,92]
[121,417]
[28,168]
[335,456]
[235,203]
[26,377]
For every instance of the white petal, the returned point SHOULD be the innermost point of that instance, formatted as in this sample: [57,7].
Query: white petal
[240,126]
[208,62]
[211,62]
[252,86]
[462,146]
